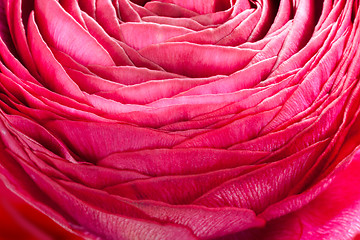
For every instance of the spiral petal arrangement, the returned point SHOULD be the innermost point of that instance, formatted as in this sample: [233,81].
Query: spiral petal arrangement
[179,119]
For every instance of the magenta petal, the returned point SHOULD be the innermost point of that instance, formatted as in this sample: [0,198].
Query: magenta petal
[170,10]
[237,131]
[73,8]
[185,57]
[303,22]
[107,18]
[283,15]
[88,6]
[117,53]
[179,22]
[283,174]
[127,13]
[14,64]
[168,189]
[160,162]
[52,72]
[214,35]
[119,227]
[18,33]
[204,222]
[139,35]
[332,207]
[129,75]
[115,137]
[78,44]
[246,78]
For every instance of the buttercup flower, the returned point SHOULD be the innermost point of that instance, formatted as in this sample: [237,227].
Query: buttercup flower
[178,119]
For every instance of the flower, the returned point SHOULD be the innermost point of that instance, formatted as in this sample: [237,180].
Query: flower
[183,119]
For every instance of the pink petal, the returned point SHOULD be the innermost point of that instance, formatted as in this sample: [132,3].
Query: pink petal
[80,45]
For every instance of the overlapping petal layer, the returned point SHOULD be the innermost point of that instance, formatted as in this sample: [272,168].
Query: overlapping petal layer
[176,119]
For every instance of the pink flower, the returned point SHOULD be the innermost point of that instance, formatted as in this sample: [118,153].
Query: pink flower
[178,119]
